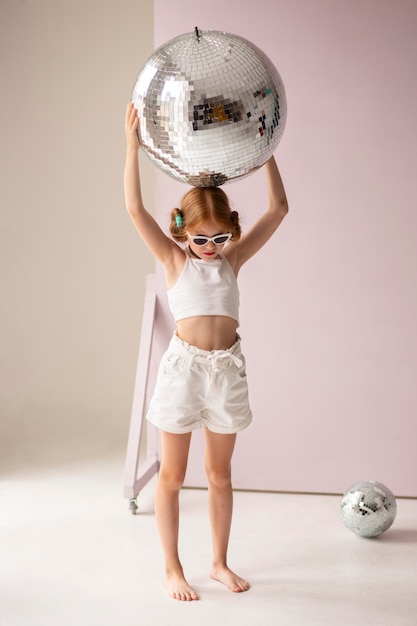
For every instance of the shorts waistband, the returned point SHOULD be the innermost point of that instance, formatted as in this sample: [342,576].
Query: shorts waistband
[217,358]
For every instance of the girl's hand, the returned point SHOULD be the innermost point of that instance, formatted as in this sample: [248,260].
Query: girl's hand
[131,127]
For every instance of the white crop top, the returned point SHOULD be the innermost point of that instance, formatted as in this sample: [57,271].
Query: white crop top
[205,288]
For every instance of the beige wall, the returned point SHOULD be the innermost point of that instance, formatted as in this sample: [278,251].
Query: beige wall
[72,267]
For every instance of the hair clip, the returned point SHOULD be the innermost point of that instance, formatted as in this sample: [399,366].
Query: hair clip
[178,220]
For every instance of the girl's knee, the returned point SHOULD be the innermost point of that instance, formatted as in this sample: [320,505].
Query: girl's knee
[172,479]
[219,477]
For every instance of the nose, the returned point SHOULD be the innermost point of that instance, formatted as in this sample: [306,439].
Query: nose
[211,245]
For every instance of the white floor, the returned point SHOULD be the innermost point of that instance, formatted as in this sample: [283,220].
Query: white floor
[73,555]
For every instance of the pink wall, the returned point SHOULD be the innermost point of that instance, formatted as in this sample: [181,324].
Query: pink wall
[329,307]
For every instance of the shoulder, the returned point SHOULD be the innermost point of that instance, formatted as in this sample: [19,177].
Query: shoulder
[175,265]
[231,254]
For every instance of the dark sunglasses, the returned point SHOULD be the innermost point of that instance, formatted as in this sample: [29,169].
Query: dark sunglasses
[203,241]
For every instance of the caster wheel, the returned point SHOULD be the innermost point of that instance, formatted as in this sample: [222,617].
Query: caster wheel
[133,506]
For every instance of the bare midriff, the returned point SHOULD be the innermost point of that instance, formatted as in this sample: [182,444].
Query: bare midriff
[208,332]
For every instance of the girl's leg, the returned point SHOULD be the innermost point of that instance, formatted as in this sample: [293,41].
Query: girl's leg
[174,456]
[218,457]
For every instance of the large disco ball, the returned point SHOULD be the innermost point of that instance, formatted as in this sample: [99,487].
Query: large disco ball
[212,107]
[368,508]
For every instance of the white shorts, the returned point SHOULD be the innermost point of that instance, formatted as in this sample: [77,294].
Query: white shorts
[198,388]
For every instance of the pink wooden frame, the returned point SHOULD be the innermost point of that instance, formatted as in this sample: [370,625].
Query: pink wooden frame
[138,473]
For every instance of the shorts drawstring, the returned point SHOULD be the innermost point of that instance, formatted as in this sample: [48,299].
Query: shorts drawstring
[220,362]
[223,359]
[216,362]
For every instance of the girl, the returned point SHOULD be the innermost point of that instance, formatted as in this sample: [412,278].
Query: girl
[202,378]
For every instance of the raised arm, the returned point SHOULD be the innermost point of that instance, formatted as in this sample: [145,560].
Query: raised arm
[267,224]
[155,239]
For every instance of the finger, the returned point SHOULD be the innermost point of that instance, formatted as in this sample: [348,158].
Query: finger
[133,117]
[128,116]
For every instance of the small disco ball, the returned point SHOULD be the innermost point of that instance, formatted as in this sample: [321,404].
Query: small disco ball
[368,508]
[211,106]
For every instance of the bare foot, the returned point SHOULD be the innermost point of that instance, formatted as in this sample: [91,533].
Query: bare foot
[178,588]
[231,580]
